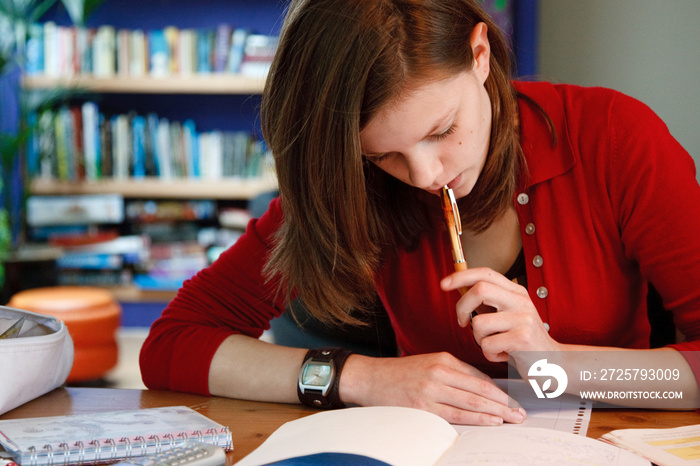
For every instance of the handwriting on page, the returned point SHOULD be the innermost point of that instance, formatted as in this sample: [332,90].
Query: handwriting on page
[536,447]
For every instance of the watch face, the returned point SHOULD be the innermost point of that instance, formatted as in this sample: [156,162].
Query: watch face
[316,374]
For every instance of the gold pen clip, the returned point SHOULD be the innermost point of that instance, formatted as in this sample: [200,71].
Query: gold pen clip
[454,224]
[454,210]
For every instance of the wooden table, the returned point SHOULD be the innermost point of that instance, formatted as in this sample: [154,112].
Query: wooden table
[252,422]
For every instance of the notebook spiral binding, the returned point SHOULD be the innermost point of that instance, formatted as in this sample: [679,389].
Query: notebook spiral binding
[79,453]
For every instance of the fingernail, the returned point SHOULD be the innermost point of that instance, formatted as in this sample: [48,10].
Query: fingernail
[497,421]
[518,416]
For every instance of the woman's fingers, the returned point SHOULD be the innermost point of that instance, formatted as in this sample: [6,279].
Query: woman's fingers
[441,384]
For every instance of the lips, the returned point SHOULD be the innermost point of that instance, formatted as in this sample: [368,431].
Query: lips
[455,182]
[452,185]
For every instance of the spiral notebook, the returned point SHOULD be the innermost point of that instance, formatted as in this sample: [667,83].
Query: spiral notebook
[107,437]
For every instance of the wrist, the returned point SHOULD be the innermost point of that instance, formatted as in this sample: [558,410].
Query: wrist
[356,379]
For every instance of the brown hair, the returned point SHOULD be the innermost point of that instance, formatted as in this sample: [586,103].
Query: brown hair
[338,63]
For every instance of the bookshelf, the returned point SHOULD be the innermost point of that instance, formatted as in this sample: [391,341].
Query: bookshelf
[216,101]
[222,84]
[224,189]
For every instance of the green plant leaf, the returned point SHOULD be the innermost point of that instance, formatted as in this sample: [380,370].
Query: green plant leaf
[80,10]
[40,10]
[24,10]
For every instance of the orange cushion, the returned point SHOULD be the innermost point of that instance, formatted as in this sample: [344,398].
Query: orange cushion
[92,317]
[92,362]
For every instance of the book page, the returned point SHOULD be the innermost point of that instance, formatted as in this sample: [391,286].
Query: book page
[677,446]
[566,413]
[511,445]
[394,435]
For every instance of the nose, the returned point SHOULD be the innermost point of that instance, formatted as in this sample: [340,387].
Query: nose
[424,167]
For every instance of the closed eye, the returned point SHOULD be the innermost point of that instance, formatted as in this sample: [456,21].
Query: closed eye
[444,134]
[377,158]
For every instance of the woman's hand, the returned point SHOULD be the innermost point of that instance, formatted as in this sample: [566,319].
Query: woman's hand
[438,383]
[514,324]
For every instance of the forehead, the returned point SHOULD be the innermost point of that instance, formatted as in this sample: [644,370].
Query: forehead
[413,114]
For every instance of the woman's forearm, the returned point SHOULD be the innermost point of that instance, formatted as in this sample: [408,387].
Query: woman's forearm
[247,368]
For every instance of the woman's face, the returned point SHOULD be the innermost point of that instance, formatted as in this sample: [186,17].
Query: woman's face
[434,135]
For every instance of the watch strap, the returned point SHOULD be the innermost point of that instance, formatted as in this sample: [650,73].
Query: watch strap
[315,398]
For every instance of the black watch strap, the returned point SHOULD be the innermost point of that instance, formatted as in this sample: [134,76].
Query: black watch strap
[315,398]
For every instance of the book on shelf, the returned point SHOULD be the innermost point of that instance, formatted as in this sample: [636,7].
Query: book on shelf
[80,143]
[123,53]
[120,146]
[104,51]
[170,210]
[190,148]
[206,39]
[91,140]
[187,52]
[99,277]
[108,436]
[222,47]
[258,53]
[104,48]
[138,54]
[138,147]
[92,261]
[163,150]
[236,51]
[151,145]
[84,52]
[407,436]
[35,50]
[51,51]
[75,210]
[158,53]
[112,261]
[106,156]
[172,40]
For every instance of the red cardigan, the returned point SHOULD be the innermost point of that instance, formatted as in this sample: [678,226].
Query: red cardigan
[614,205]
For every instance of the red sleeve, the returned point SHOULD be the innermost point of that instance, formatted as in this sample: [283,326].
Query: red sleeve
[655,186]
[230,296]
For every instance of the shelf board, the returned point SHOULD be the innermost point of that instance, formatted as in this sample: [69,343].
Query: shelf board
[132,294]
[217,83]
[234,189]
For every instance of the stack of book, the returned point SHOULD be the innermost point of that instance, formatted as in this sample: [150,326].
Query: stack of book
[112,262]
[60,51]
[84,228]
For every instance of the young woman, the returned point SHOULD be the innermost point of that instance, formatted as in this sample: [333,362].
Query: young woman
[370,108]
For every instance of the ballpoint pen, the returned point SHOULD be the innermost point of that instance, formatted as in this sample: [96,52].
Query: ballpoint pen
[454,227]
[13,331]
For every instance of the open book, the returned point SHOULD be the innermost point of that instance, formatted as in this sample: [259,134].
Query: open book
[100,437]
[406,436]
[676,446]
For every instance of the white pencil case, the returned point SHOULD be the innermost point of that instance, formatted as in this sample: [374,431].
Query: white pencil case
[37,361]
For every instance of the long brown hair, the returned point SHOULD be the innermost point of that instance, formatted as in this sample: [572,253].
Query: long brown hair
[338,63]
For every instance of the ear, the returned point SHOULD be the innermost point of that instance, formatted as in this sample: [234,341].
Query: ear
[481,49]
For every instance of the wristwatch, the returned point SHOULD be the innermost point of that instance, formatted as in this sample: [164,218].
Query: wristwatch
[319,377]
